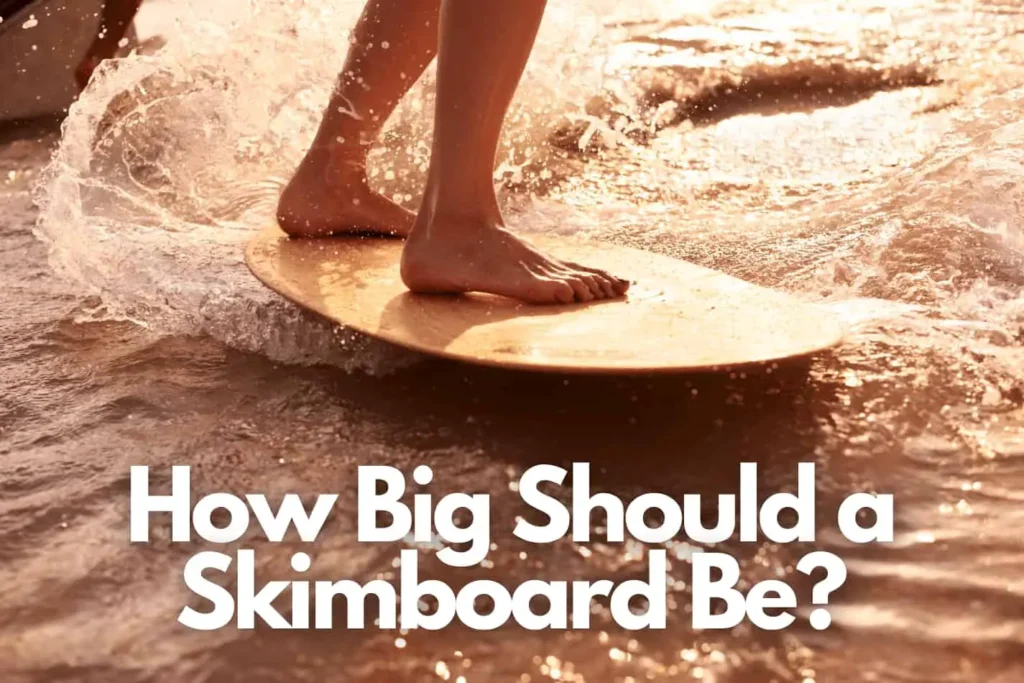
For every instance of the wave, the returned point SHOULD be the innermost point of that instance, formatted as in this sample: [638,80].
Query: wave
[169,162]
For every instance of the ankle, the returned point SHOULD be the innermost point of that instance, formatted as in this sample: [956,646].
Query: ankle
[346,144]
[453,222]
[336,165]
[464,209]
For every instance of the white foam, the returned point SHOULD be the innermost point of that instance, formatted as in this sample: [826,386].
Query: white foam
[169,162]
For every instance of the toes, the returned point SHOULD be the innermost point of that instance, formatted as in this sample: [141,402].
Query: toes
[595,286]
[545,290]
[599,286]
[580,289]
[607,287]
[563,293]
[617,284]
[611,286]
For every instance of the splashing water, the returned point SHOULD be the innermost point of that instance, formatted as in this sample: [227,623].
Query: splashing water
[170,161]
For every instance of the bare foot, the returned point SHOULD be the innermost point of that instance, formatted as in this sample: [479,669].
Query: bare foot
[329,197]
[466,256]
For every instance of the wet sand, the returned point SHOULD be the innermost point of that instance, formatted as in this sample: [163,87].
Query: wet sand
[897,203]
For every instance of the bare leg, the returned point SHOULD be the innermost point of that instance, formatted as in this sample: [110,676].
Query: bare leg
[458,243]
[391,46]
[117,17]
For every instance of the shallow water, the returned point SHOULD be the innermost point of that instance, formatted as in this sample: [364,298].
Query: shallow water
[868,158]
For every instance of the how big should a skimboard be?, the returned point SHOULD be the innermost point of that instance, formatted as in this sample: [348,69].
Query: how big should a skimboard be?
[677,317]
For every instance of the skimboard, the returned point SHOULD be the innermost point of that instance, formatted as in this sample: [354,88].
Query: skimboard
[677,317]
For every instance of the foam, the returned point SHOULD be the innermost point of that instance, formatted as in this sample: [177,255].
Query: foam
[169,162]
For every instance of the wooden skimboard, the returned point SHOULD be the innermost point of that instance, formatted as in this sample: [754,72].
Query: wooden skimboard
[677,317]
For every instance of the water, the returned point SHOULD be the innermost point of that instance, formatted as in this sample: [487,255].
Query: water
[866,157]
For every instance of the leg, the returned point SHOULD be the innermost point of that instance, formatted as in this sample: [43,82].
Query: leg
[392,44]
[458,243]
[117,17]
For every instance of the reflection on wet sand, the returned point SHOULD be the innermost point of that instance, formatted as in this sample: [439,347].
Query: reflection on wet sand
[672,435]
